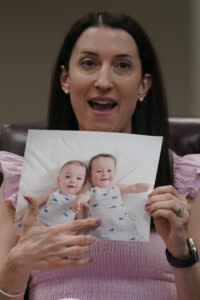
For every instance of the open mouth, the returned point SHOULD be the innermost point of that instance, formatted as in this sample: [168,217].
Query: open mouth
[102,105]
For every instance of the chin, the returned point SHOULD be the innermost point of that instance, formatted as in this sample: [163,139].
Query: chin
[100,127]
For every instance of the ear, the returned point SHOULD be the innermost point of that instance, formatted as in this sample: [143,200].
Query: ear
[145,85]
[64,80]
[58,180]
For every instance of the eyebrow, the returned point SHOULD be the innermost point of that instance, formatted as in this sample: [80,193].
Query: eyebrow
[117,56]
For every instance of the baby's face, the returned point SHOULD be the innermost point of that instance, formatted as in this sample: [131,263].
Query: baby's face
[72,178]
[102,171]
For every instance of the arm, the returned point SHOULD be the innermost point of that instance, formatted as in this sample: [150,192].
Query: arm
[175,229]
[191,275]
[80,204]
[9,272]
[135,188]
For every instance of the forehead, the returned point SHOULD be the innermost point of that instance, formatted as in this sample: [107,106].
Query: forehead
[73,168]
[106,39]
[107,161]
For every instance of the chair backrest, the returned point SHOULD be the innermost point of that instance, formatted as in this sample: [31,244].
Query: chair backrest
[184,135]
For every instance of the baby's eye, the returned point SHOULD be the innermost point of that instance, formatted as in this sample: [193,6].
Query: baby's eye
[98,171]
[109,170]
[79,178]
[67,176]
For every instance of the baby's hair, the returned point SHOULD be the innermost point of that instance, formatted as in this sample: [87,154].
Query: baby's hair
[101,155]
[77,163]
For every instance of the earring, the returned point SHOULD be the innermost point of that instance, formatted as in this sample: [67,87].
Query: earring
[66,91]
[141,99]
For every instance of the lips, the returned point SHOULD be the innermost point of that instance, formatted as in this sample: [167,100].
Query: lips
[102,104]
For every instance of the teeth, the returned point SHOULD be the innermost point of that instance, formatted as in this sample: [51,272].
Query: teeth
[103,102]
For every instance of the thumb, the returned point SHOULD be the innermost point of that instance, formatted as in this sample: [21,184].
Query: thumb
[32,209]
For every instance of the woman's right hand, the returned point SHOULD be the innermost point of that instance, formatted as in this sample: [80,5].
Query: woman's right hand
[45,248]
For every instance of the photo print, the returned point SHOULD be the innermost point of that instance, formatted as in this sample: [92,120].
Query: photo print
[79,174]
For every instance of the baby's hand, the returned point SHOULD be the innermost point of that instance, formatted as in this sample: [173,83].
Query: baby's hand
[77,205]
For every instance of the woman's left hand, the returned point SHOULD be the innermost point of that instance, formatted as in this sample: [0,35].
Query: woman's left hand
[171,213]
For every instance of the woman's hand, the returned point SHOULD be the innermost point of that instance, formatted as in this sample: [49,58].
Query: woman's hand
[171,213]
[44,248]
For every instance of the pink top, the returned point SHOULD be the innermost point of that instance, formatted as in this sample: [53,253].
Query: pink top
[119,270]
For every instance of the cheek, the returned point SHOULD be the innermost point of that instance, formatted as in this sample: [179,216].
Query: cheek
[94,178]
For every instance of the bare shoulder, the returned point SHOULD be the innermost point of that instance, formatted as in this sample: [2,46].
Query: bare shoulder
[8,238]
[195,220]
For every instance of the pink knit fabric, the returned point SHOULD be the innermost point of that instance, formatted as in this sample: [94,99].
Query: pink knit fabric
[119,270]
[187,174]
[11,167]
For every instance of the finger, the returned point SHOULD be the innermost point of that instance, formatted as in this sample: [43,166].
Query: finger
[162,198]
[32,209]
[164,190]
[73,262]
[170,216]
[73,251]
[11,210]
[78,240]
[77,225]
[85,204]
[169,205]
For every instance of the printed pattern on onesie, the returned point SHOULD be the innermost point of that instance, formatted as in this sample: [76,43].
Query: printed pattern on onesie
[107,204]
[57,209]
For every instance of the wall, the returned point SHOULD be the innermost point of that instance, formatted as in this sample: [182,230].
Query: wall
[31,34]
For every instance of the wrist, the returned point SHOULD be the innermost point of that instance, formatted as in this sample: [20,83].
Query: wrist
[16,262]
[186,260]
[13,279]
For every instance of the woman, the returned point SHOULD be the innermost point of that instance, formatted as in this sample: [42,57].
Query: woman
[106,79]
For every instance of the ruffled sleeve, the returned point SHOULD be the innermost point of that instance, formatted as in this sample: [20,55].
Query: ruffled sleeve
[187,174]
[11,167]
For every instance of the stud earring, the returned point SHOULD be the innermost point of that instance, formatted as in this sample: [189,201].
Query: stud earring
[66,91]
[141,99]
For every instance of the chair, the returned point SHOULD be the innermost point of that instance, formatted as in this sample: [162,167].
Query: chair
[184,136]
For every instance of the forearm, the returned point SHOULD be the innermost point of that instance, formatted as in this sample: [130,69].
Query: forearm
[13,278]
[188,282]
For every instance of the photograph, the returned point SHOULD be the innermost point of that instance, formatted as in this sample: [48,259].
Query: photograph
[78,175]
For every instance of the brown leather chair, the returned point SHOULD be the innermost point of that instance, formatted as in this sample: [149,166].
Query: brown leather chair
[184,135]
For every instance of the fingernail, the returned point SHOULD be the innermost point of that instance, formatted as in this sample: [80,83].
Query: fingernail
[148,208]
[147,204]
[98,221]
[149,195]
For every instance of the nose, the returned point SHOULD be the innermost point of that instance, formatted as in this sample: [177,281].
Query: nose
[104,173]
[104,78]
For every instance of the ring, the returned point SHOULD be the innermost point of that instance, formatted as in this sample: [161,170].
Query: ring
[179,210]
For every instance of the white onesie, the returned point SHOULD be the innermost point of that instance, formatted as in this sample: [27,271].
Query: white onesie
[57,209]
[107,204]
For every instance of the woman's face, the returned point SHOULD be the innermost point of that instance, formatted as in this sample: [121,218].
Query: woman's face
[105,79]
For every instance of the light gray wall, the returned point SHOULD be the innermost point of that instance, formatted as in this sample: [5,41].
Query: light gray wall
[32,32]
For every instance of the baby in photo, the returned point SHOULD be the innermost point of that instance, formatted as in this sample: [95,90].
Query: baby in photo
[104,201]
[71,180]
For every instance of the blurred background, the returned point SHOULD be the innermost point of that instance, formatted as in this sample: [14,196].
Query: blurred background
[32,32]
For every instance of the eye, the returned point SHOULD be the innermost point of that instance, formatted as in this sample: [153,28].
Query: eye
[123,65]
[88,63]
[79,178]
[67,176]
[98,171]
[109,170]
